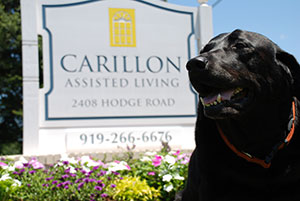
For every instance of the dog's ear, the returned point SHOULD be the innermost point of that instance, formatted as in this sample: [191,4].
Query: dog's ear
[291,66]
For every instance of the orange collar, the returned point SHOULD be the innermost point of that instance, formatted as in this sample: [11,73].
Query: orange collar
[266,163]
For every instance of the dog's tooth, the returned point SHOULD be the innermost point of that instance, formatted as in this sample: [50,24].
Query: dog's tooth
[202,101]
[219,98]
[238,90]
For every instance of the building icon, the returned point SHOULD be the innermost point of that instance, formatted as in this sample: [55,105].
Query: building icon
[122,27]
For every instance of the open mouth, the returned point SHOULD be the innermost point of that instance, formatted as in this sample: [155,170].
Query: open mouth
[226,97]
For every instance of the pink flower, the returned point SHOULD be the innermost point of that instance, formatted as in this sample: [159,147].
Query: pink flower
[98,188]
[35,164]
[185,161]
[156,161]
[104,195]
[19,165]
[101,163]
[177,153]
[181,156]
[151,173]
[2,164]
[128,167]
[184,158]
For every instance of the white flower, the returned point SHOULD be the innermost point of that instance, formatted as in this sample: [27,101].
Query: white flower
[92,163]
[178,177]
[65,157]
[9,168]
[88,161]
[167,177]
[170,159]
[19,164]
[72,169]
[58,164]
[168,188]
[4,167]
[117,166]
[85,159]
[145,158]
[5,177]
[23,160]
[16,183]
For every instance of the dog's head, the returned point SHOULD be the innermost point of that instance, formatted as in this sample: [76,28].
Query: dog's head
[237,71]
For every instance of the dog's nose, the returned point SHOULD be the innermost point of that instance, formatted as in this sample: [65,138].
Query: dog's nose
[197,63]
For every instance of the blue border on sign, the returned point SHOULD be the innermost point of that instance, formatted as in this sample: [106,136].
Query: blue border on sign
[44,7]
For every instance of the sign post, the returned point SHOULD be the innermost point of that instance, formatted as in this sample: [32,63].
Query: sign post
[30,78]
[114,74]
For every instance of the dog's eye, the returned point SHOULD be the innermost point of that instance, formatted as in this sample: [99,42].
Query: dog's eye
[207,48]
[240,46]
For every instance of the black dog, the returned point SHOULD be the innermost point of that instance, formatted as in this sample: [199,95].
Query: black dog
[247,131]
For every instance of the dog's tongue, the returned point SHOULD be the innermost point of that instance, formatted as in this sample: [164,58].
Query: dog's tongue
[225,95]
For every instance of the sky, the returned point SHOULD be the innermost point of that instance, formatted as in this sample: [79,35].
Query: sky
[277,19]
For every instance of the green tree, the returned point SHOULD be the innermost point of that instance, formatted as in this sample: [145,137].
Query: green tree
[10,77]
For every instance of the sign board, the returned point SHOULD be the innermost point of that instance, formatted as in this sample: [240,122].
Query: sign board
[114,73]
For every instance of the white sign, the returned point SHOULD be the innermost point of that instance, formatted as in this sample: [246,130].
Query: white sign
[126,60]
[112,63]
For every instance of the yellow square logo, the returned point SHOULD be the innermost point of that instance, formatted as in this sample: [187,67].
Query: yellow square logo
[122,27]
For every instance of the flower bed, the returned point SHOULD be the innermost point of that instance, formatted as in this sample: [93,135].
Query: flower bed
[154,176]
